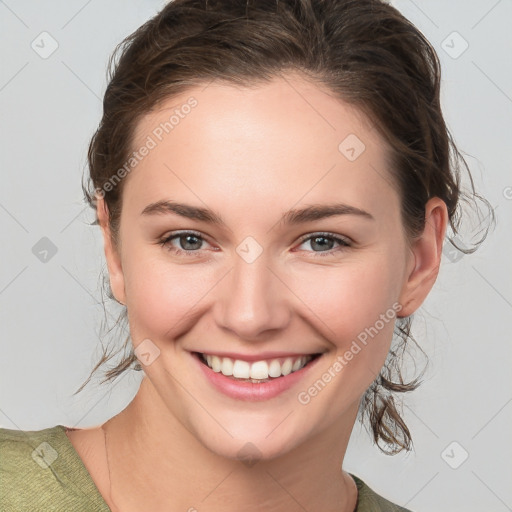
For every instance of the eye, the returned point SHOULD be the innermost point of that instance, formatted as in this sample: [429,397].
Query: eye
[188,243]
[325,242]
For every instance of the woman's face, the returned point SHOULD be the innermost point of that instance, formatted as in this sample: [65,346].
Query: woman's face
[248,278]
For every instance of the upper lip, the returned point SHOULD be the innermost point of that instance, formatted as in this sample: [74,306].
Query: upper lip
[257,357]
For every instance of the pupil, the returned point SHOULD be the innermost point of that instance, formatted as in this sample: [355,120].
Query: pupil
[329,242]
[187,240]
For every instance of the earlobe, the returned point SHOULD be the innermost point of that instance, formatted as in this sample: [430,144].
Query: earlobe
[112,256]
[426,257]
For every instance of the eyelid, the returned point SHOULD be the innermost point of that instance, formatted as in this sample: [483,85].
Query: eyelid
[184,232]
[318,234]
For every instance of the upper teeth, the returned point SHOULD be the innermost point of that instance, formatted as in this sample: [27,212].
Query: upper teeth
[258,369]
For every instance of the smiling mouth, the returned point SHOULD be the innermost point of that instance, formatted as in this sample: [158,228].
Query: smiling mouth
[255,371]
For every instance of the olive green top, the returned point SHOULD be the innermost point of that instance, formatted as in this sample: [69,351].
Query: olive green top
[40,470]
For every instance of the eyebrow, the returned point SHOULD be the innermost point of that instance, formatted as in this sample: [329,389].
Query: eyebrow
[291,217]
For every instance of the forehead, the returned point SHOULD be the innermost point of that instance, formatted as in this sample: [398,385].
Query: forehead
[278,143]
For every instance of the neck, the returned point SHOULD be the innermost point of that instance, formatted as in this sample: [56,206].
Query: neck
[156,464]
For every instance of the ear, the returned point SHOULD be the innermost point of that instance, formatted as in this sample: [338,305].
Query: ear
[112,256]
[425,258]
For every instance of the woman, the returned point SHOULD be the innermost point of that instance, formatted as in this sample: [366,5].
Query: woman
[273,183]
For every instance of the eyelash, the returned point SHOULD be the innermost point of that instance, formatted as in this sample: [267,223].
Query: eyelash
[344,243]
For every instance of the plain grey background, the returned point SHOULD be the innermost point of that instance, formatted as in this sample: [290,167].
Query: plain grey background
[50,303]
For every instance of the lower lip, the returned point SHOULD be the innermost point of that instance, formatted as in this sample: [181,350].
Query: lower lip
[250,391]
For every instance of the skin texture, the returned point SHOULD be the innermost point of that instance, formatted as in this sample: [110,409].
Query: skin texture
[251,154]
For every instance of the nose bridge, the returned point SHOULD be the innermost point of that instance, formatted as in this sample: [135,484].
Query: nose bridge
[253,299]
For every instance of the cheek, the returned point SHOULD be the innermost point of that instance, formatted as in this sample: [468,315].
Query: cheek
[160,294]
[356,312]
[349,300]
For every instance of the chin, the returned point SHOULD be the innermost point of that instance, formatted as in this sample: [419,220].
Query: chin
[250,451]
[252,441]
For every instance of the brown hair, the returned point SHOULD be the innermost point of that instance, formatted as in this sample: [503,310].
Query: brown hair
[364,51]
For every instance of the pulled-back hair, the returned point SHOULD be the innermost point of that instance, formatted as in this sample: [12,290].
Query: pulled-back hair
[364,51]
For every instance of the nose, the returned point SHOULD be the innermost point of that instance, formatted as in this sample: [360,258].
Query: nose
[252,300]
